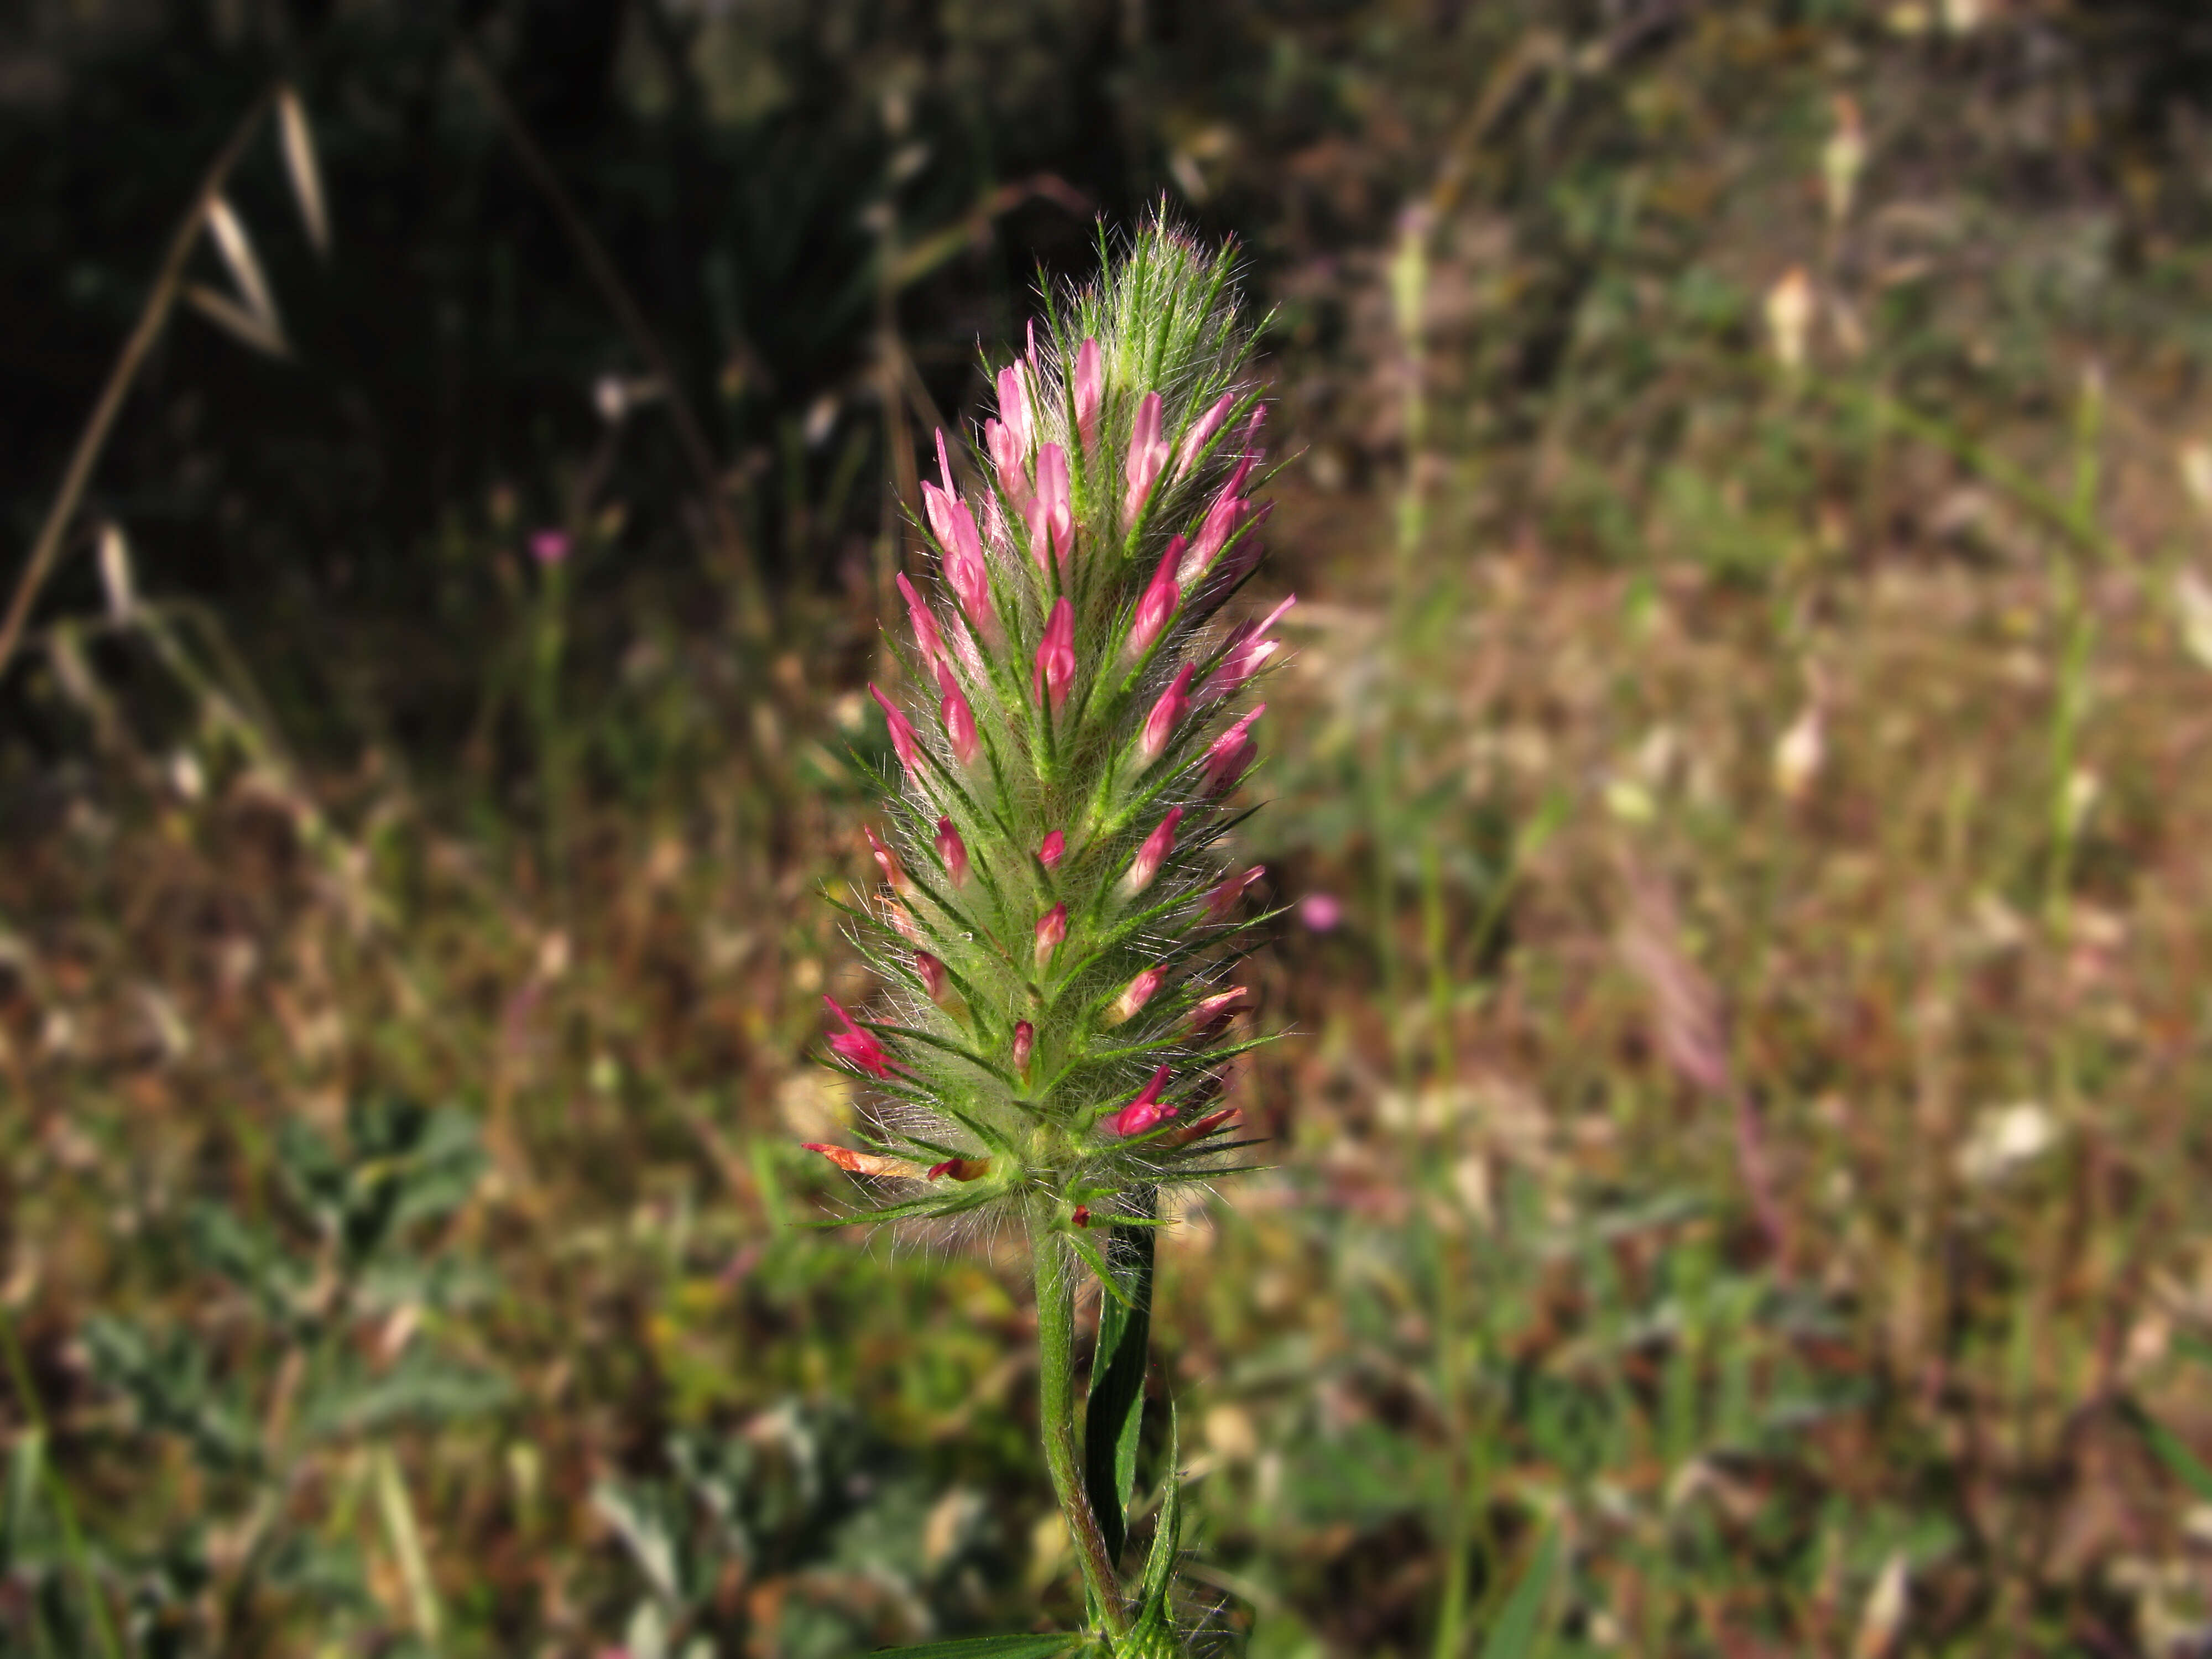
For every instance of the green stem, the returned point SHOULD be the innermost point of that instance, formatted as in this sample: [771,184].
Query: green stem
[1055,1301]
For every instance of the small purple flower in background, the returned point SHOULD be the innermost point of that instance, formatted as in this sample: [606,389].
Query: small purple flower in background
[1320,912]
[548,546]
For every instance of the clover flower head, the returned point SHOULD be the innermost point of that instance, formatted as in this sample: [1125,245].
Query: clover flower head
[1060,919]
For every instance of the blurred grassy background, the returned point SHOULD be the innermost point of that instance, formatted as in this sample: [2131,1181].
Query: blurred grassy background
[1741,785]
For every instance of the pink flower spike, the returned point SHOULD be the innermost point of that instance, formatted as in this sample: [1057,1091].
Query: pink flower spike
[927,639]
[944,464]
[1144,1112]
[1232,886]
[1245,655]
[1167,714]
[1051,932]
[959,718]
[1201,432]
[1010,461]
[1089,389]
[855,1047]
[903,737]
[1050,514]
[1139,992]
[886,860]
[932,975]
[1056,847]
[1211,1014]
[1153,853]
[953,851]
[1156,608]
[1055,656]
[1232,754]
[1148,453]
[1024,1042]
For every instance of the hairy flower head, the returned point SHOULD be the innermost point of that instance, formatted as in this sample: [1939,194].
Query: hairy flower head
[1061,1012]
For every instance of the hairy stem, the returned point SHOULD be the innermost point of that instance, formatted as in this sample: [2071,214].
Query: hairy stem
[1055,1298]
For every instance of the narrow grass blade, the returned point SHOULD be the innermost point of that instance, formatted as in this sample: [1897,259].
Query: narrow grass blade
[298,140]
[1520,1631]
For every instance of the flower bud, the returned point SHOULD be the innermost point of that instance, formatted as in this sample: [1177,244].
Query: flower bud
[1013,395]
[1167,714]
[1135,995]
[1051,930]
[1211,1015]
[959,718]
[1089,389]
[1231,887]
[1050,514]
[862,1163]
[1214,531]
[932,972]
[1143,1113]
[903,737]
[953,851]
[1080,1215]
[886,860]
[856,1048]
[1198,1131]
[1232,753]
[954,525]
[1056,657]
[1055,848]
[1148,454]
[1245,550]
[1024,1042]
[1152,853]
[927,639]
[1247,652]
[1155,608]
[1009,459]
[962,1169]
[1201,433]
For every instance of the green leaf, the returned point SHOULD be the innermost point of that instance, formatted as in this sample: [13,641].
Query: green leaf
[991,1647]
[1115,1410]
[1519,1630]
[2183,1464]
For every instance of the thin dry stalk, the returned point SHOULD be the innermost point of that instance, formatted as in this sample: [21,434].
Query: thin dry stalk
[93,438]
